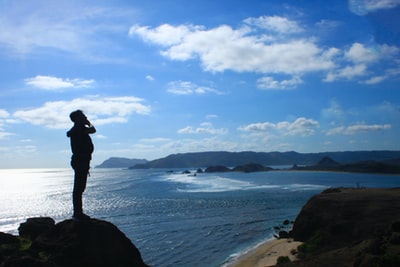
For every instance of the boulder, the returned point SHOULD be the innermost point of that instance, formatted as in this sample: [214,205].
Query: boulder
[218,168]
[33,227]
[251,167]
[94,243]
[283,234]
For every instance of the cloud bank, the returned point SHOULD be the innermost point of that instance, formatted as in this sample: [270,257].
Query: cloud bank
[101,110]
[268,45]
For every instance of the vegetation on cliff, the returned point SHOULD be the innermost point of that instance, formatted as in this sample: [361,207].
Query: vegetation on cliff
[350,227]
[370,166]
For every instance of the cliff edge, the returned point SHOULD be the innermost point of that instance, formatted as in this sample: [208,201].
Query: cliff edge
[42,243]
[349,227]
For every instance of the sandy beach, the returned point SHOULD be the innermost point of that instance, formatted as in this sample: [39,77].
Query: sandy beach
[267,253]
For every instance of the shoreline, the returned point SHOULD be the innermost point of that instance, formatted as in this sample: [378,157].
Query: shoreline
[267,253]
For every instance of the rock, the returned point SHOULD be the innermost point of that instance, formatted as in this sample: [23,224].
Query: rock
[218,168]
[286,222]
[251,167]
[8,244]
[33,227]
[94,243]
[8,239]
[349,227]
[199,170]
[396,227]
[283,234]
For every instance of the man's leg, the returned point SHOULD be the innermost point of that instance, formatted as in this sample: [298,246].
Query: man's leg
[81,168]
[79,188]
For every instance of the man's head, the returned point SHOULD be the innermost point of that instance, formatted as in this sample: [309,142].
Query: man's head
[77,116]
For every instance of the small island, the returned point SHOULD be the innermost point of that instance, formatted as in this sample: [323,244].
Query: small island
[387,162]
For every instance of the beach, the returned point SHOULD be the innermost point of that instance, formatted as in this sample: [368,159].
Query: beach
[267,253]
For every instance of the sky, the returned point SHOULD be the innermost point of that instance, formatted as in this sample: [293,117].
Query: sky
[165,77]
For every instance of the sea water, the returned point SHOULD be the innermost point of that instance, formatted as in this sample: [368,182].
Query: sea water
[176,219]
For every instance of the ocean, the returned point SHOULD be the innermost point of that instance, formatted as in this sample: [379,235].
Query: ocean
[176,219]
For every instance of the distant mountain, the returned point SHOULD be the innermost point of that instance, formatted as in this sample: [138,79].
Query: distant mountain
[115,162]
[230,159]
[369,166]
[327,162]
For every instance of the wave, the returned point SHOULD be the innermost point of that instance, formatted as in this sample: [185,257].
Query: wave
[213,183]
[209,183]
[233,258]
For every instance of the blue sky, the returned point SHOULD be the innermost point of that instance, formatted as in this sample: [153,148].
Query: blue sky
[164,77]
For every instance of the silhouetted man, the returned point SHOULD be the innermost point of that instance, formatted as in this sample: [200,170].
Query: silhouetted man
[82,149]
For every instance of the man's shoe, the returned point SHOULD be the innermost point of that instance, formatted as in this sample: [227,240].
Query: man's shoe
[80,217]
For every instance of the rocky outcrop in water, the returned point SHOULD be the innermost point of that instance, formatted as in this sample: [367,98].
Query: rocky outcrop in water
[350,227]
[218,168]
[42,243]
[252,167]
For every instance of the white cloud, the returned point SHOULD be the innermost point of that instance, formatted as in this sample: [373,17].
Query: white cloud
[301,126]
[100,136]
[270,83]
[258,127]
[165,34]
[197,145]
[249,49]
[25,149]
[357,128]
[359,53]
[362,58]
[4,114]
[375,79]
[4,134]
[363,7]
[100,110]
[149,78]
[348,72]
[205,128]
[54,83]
[334,111]
[241,50]
[189,88]
[275,23]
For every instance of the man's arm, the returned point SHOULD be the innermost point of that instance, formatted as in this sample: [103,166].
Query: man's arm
[90,129]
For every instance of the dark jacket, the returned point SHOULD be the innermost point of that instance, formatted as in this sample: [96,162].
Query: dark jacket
[81,143]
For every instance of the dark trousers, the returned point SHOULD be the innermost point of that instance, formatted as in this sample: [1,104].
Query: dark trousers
[81,165]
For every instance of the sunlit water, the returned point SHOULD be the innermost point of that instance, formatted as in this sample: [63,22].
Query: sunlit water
[176,219]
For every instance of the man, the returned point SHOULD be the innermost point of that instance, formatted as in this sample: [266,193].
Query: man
[82,149]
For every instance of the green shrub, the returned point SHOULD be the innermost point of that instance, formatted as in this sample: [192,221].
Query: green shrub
[282,260]
[311,245]
[25,243]
[389,260]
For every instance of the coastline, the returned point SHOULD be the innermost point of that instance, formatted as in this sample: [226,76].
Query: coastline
[266,254]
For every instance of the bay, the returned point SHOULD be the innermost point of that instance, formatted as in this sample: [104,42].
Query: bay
[176,219]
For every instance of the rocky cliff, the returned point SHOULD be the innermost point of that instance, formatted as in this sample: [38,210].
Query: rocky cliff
[42,243]
[350,227]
